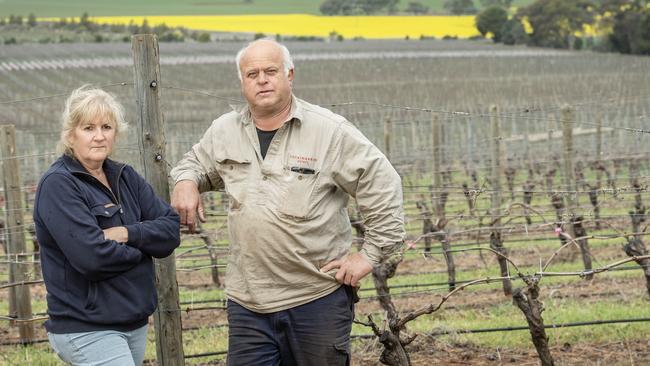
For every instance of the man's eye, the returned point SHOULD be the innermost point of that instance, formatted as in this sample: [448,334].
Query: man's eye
[272,72]
[252,75]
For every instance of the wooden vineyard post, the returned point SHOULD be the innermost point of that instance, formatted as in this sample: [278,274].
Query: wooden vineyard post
[388,129]
[20,296]
[593,194]
[496,242]
[572,222]
[151,139]
[438,207]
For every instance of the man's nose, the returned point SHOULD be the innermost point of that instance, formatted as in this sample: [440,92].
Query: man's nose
[262,78]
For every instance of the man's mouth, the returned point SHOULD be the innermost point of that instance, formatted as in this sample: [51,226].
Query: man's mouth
[265,92]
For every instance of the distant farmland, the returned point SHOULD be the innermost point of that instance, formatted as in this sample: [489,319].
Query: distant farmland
[320,26]
[68,8]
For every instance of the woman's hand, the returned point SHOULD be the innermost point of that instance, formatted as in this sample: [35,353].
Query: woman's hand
[117,233]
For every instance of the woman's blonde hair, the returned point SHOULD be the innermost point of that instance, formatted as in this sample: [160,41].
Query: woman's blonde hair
[86,104]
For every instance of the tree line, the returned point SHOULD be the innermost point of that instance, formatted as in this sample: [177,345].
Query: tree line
[618,25]
[69,30]
[370,7]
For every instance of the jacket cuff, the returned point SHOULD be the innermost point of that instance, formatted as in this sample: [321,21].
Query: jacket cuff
[390,253]
[372,253]
[187,176]
[135,235]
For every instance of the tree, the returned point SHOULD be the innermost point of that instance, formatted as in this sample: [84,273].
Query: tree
[31,20]
[346,7]
[458,7]
[631,31]
[338,7]
[491,20]
[513,32]
[416,8]
[17,20]
[501,3]
[555,21]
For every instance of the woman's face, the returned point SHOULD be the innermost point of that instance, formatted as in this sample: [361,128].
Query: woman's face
[92,141]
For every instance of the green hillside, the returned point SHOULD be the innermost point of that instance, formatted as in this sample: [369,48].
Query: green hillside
[67,8]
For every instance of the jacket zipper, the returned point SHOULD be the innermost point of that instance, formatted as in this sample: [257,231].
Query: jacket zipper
[117,188]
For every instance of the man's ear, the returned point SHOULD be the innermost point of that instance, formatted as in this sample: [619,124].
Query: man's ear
[290,76]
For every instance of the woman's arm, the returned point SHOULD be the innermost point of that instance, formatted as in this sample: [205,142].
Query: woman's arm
[158,234]
[61,208]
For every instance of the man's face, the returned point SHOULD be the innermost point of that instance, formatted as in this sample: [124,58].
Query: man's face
[266,87]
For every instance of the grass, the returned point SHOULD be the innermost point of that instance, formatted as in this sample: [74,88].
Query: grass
[561,311]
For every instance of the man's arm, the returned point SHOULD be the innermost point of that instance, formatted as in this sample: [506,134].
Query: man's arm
[362,171]
[193,174]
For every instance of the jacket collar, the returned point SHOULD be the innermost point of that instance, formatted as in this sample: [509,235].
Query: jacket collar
[296,112]
[112,169]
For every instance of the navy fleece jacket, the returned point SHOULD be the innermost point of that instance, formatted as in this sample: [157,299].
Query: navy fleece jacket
[93,283]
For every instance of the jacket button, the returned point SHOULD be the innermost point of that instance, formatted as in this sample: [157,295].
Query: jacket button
[232,167]
[300,177]
[105,212]
[265,177]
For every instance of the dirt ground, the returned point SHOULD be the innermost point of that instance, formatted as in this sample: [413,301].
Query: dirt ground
[426,350]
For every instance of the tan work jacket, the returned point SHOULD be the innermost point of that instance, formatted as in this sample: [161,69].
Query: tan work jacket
[288,212]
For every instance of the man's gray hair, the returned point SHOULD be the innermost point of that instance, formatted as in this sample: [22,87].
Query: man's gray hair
[287,62]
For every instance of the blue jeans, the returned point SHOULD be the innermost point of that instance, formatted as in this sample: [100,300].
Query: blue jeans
[105,347]
[316,333]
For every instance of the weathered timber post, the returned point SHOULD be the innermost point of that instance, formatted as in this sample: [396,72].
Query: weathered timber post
[388,130]
[438,205]
[595,189]
[599,149]
[20,296]
[147,80]
[496,242]
[571,196]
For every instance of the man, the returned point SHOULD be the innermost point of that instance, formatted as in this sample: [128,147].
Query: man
[289,168]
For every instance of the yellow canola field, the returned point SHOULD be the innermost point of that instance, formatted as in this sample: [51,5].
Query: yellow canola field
[312,25]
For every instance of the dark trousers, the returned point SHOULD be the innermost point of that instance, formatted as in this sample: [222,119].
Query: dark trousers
[316,333]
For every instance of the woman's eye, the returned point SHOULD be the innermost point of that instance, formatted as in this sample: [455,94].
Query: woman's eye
[107,127]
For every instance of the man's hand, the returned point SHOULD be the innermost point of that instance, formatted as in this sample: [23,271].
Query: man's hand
[117,233]
[351,269]
[187,202]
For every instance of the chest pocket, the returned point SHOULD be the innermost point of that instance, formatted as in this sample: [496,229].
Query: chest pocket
[234,172]
[107,216]
[299,195]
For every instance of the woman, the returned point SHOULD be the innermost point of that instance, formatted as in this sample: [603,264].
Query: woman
[99,223]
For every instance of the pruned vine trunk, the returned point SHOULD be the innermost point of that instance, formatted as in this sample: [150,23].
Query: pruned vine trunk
[635,246]
[394,353]
[497,245]
[527,300]
[580,234]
